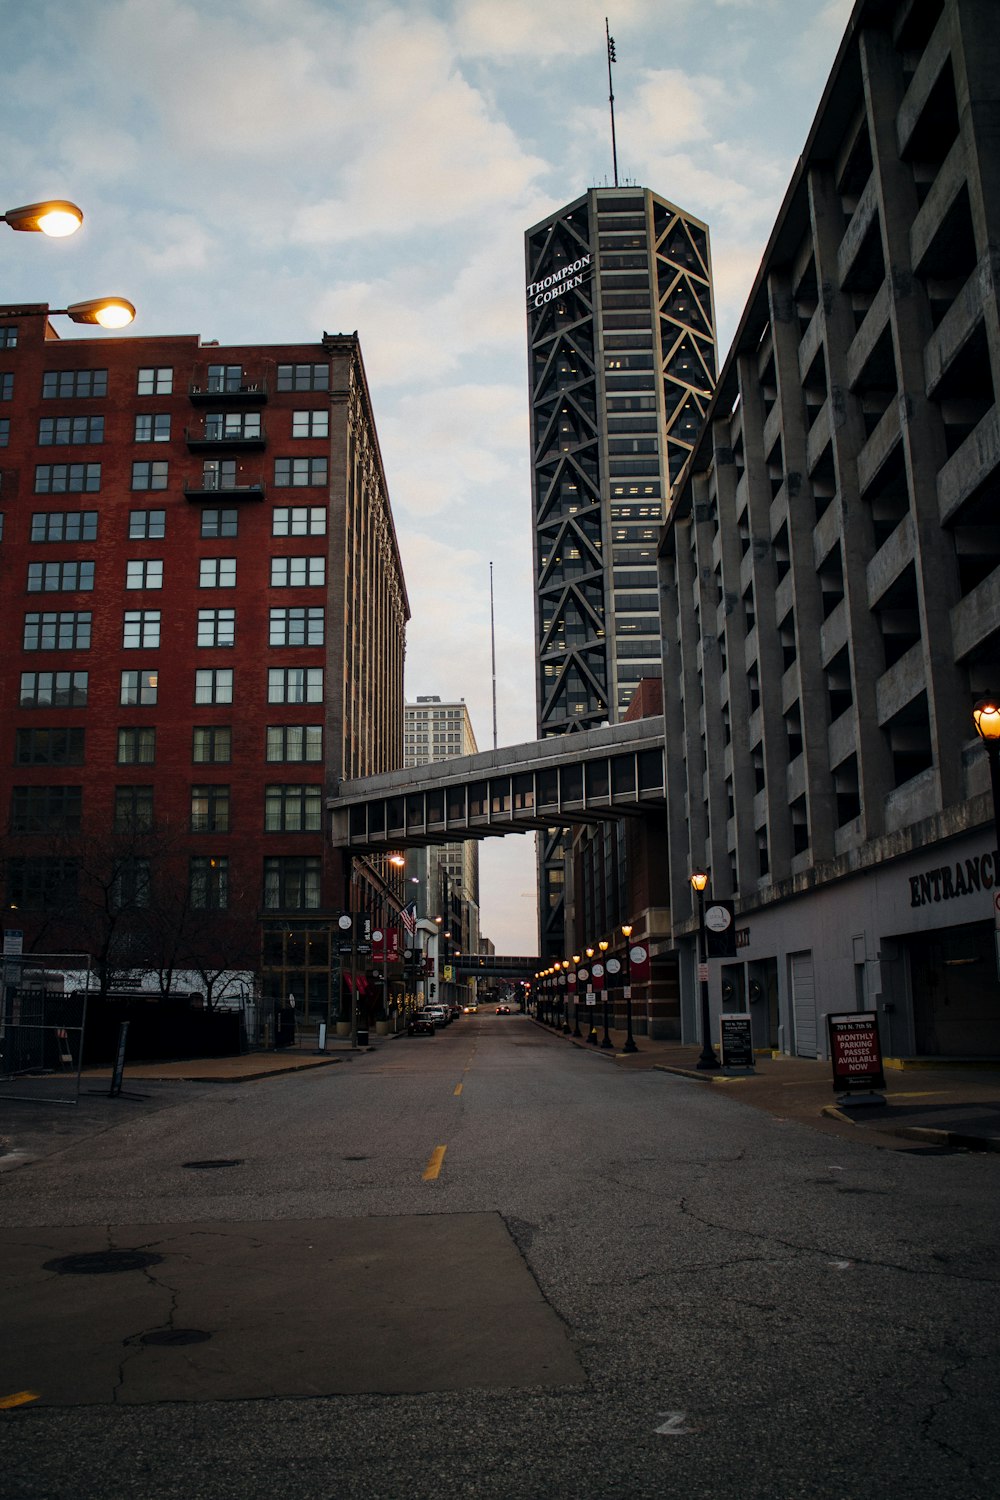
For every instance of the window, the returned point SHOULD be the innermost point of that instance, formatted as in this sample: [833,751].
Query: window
[4,431]
[295,742]
[212,744]
[236,425]
[219,474]
[300,471]
[60,577]
[57,431]
[303,377]
[144,573]
[133,809]
[62,383]
[225,377]
[141,628]
[216,627]
[293,809]
[216,523]
[45,809]
[152,427]
[54,689]
[136,747]
[209,809]
[146,525]
[310,424]
[6,386]
[297,627]
[60,479]
[69,630]
[130,884]
[138,688]
[299,520]
[209,889]
[8,336]
[43,882]
[297,572]
[295,685]
[64,526]
[49,747]
[213,685]
[149,474]
[292,884]
[217,573]
[155,381]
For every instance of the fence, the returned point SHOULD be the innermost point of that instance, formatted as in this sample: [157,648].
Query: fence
[43,1017]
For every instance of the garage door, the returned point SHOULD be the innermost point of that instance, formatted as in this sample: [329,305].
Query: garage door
[803,1004]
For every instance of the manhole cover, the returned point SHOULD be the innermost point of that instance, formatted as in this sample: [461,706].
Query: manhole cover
[355,1158]
[221,1161]
[172,1338]
[101,1262]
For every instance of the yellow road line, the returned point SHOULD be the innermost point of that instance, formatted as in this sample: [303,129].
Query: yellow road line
[20,1398]
[433,1167]
[458,1089]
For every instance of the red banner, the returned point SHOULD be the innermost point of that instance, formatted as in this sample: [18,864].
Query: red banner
[385,945]
[638,959]
[598,976]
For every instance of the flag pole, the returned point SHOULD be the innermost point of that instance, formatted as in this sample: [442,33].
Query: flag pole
[493,655]
[611,96]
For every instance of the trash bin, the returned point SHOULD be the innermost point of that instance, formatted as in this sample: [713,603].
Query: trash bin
[363,1036]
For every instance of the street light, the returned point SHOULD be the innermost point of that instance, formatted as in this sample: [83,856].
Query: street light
[592,1034]
[986,717]
[108,312]
[55,217]
[629,1039]
[708,1059]
[564,994]
[607,1042]
[576,998]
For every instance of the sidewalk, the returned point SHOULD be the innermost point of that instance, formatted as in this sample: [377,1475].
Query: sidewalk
[944,1104]
[243,1068]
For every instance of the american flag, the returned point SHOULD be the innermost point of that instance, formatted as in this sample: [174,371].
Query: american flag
[408,917]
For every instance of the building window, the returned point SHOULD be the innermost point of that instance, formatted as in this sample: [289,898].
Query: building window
[292,883]
[152,427]
[224,378]
[4,431]
[219,474]
[69,630]
[64,526]
[295,685]
[213,685]
[62,383]
[45,809]
[303,377]
[295,742]
[130,885]
[49,747]
[61,479]
[220,425]
[59,431]
[300,471]
[216,627]
[139,688]
[217,573]
[8,336]
[136,747]
[6,386]
[297,572]
[293,809]
[209,809]
[141,628]
[42,883]
[60,577]
[144,573]
[215,523]
[311,424]
[297,627]
[212,744]
[146,525]
[149,474]
[54,689]
[155,380]
[299,520]
[133,809]
[209,888]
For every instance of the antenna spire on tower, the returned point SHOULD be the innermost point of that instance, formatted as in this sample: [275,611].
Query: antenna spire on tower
[611,96]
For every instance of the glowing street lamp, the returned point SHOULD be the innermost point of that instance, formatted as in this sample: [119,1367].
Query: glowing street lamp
[607,1043]
[629,1039]
[708,1059]
[109,312]
[55,217]
[986,717]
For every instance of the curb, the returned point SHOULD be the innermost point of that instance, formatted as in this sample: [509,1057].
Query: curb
[929,1134]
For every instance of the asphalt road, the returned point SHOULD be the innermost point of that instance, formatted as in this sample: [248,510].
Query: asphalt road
[486,1264]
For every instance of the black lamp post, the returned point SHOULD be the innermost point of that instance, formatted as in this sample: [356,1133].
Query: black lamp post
[986,717]
[629,1039]
[708,1059]
[591,1009]
[576,997]
[564,992]
[606,1042]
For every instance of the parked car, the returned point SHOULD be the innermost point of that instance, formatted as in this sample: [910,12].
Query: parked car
[438,1012]
[421,1021]
[456,1011]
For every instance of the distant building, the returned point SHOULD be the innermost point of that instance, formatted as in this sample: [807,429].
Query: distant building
[201,633]
[830,568]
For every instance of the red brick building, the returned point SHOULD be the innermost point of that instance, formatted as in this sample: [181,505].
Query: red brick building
[202,625]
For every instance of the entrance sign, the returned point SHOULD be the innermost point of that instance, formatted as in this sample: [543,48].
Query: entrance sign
[736,1040]
[855,1051]
[720,930]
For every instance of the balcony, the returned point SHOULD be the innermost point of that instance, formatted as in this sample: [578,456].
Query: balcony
[213,439]
[227,391]
[223,491]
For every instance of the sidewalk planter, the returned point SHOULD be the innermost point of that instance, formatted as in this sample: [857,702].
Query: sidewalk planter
[381,1028]
[343,1028]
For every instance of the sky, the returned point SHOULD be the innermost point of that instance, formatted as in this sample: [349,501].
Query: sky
[267,170]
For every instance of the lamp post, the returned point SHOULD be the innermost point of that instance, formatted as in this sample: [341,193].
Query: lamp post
[592,1033]
[107,312]
[56,217]
[986,717]
[564,987]
[606,1043]
[708,1059]
[629,1039]
[576,999]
